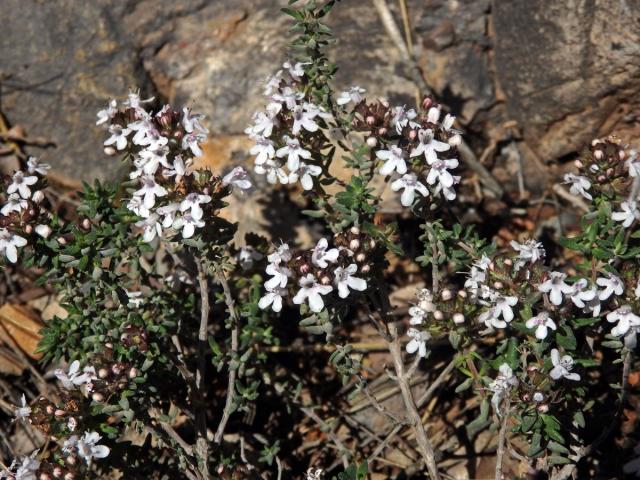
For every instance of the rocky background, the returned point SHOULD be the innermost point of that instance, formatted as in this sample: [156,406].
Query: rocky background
[546,74]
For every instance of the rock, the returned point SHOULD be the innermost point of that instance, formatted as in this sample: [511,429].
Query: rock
[566,68]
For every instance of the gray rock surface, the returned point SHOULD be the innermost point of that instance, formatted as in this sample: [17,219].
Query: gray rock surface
[563,70]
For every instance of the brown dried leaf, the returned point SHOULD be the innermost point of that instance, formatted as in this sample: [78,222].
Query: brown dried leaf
[21,327]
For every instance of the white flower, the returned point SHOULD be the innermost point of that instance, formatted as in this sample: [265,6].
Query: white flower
[15,203]
[580,294]
[74,378]
[501,307]
[345,280]
[108,113]
[447,123]
[136,205]
[354,94]
[150,190]
[555,287]
[293,151]
[503,382]
[192,203]
[274,172]
[625,318]
[393,160]
[188,223]
[637,289]
[86,446]
[23,411]
[43,230]
[273,297]
[314,474]
[282,254]
[134,101]
[409,182]
[150,227]
[418,315]
[433,115]
[440,172]
[26,469]
[34,166]
[150,159]
[118,136]
[263,149]
[579,185]
[311,291]
[20,184]
[272,83]
[179,170]
[295,70]
[611,284]
[403,117]
[628,215]
[429,146]
[541,322]
[418,342]
[530,251]
[562,366]
[9,244]
[247,255]
[305,172]
[192,142]
[263,124]
[238,177]
[303,118]
[191,122]
[288,96]
[280,276]
[448,192]
[321,254]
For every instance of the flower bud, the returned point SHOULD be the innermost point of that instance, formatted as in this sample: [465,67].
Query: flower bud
[543,408]
[97,397]
[455,140]
[38,196]
[462,293]
[365,269]
[354,244]
[355,230]
[50,410]
[108,345]
[598,154]
[622,154]
[498,285]
[412,134]
[71,460]
[438,315]
[601,178]
[361,257]
[382,131]
[62,240]
[59,413]
[578,164]
[325,280]
[28,229]
[458,318]
[116,368]
[304,268]
[508,262]
[69,476]
[57,472]
[43,230]
[372,142]
[86,224]
[103,373]
[371,120]
[427,103]
[133,372]
[72,423]
[526,397]
[372,243]
[44,476]
[433,115]
[109,151]
[446,295]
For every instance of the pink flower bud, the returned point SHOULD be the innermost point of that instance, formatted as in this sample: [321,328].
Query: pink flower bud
[446,295]
[71,460]
[44,476]
[57,472]
[598,154]
[372,142]
[365,269]
[304,268]
[28,229]
[382,131]
[361,257]
[62,241]
[578,164]
[458,318]
[355,230]
[371,120]
[498,285]
[60,413]
[43,230]
[462,293]
[103,373]
[412,135]
[69,476]
[325,280]
[109,151]
[455,140]
[354,244]
[97,397]
[438,315]
[508,262]
[133,373]
[50,410]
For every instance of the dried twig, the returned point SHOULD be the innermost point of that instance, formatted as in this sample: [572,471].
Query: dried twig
[501,441]
[235,333]
[344,453]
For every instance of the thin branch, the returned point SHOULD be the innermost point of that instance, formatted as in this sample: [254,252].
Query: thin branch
[501,441]
[425,448]
[329,431]
[572,199]
[233,371]
[202,443]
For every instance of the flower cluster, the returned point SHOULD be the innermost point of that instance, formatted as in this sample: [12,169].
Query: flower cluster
[289,123]
[172,196]
[414,147]
[315,273]
[68,421]
[22,214]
